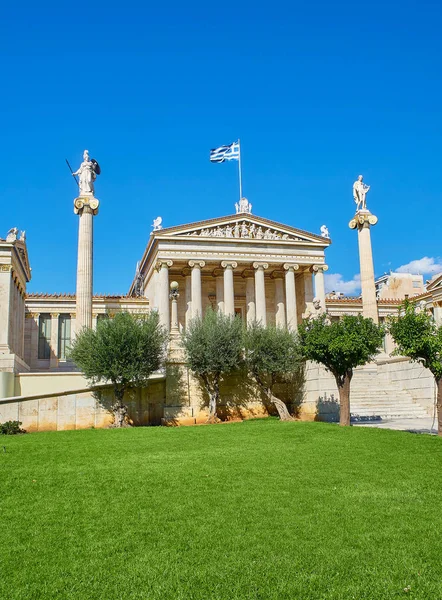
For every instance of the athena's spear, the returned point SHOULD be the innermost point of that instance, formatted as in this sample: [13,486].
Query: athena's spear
[70,169]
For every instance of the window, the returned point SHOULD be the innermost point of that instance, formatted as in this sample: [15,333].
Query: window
[64,335]
[44,336]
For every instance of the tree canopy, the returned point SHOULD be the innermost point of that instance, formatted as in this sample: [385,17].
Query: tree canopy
[271,354]
[124,350]
[213,348]
[340,346]
[417,336]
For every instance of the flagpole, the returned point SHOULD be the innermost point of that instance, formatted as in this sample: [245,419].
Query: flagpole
[239,169]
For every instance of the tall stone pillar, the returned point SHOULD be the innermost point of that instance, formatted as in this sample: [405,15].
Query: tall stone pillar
[308,286]
[53,362]
[279,299]
[197,303]
[362,222]
[290,295]
[250,296]
[219,282]
[229,293]
[318,271]
[188,295]
[86,207]
[163,292]
[260,292]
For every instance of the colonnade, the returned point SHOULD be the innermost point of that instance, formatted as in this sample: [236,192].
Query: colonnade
[285,282]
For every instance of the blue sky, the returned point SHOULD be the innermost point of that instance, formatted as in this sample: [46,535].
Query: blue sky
[318,92]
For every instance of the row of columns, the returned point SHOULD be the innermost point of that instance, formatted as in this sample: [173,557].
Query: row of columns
[285,304]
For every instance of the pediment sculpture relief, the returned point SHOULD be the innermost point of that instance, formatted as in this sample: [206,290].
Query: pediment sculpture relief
[244,230]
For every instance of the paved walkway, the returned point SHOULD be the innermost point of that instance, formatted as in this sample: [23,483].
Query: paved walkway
[411,425]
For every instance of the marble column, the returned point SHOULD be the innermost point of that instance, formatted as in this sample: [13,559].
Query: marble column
[174,295]
[260,293]
[53,362]
[362,222]
[219,283]
[188,295]
[318,271]
[162,294]
[280,319]
[34,340]
[248,275]
[308,286]
[86,208]
[73,325]
[290,295]
[229,293]
[197,303]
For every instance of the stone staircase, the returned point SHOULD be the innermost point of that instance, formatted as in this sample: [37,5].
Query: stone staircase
[374,397]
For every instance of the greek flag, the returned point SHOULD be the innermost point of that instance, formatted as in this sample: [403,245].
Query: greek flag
[219,155]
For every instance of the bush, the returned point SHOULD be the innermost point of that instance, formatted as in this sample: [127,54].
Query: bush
[11,428]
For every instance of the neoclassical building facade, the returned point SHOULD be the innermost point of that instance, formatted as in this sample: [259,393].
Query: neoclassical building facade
[240,264]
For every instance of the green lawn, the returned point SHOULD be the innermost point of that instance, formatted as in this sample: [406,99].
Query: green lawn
[259,509]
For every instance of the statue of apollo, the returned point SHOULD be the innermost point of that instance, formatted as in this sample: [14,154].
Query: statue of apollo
[359,192]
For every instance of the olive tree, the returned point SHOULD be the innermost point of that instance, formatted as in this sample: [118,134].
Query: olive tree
[341,346]
[213,349]
[124,351]
[417,336]
[271,355]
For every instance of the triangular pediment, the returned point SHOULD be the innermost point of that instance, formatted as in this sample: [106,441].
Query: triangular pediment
[242,226]
[435,282]
[24,258]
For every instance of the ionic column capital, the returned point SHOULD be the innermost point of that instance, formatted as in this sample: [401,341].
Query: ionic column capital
[363,219]
[277,275]
[186,272]
[35,315]
[291,267]
[258,266]
[247,273]
[196,263]
[29,316]
[55,315]
[72,315]
[318,268]
[163,263]
[229,264]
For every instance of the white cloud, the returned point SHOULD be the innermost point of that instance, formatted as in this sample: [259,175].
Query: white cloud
[423,266]
[334,282]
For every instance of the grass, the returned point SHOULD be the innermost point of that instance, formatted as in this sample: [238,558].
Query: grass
[253,510]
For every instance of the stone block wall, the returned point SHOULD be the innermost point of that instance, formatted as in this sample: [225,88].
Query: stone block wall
[413,378]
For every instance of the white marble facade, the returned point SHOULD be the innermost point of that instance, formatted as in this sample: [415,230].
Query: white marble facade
[259,269]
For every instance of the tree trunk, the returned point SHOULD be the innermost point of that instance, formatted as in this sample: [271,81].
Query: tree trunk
[281,407]
[343,383]
[439,406]
[120,410]
[213,402]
